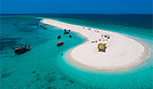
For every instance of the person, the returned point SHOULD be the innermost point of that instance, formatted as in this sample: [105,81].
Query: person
[69,30]
[24,47]
[105,35]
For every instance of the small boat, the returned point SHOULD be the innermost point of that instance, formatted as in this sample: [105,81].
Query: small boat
[20,50]
[59,37]
[60,43]
[70,35]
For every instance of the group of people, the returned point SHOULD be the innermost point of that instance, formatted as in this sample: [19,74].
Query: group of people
[66,31]
[104,38]
[87,28]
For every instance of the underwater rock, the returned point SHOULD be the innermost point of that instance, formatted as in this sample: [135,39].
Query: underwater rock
[33,71]
[53,73]
[71,81]
[5,75]
[51,80]
[37,75]
[37,79]
[38,37]
[49,87]
[62,78]
[11,56]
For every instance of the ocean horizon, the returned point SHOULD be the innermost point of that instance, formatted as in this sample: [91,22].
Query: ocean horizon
[44,66]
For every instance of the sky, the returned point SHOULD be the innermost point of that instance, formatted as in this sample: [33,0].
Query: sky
[77,6]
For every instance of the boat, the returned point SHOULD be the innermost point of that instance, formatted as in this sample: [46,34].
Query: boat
[70,35]
[59,37]
[60,43]
[20,50]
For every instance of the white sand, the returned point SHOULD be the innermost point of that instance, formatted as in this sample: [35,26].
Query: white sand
[121,52]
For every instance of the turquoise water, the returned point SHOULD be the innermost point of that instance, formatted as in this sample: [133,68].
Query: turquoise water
[44,66]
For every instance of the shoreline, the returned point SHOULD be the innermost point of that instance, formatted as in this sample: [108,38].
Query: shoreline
[103,61]
[70,59]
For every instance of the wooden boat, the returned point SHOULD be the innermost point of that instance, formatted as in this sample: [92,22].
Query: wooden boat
[59,37]
[20,50]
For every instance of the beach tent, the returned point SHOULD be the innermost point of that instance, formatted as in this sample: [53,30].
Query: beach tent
[102,47]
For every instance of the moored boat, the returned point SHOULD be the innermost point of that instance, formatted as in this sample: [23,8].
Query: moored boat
[60,43]
[20,50]
[70,35]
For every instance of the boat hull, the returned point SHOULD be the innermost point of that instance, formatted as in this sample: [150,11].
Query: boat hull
[20,51]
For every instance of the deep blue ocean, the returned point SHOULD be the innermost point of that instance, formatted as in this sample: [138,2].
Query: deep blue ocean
[44,66]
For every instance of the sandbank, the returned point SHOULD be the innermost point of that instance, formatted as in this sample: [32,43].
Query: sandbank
[122,51]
